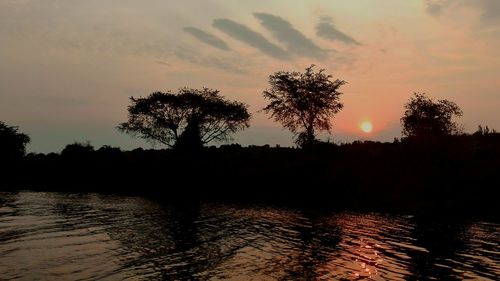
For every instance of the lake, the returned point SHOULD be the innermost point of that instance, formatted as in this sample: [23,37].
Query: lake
[60,236]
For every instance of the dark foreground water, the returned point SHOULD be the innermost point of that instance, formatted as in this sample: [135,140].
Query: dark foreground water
[53,236]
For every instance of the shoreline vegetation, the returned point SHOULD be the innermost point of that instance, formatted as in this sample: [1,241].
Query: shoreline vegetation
[435,168]
[454,175]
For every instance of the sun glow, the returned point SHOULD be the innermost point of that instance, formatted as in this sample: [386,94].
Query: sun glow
[366,126]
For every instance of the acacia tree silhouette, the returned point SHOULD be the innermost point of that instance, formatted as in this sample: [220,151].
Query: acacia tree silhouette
[187,119]
[303,102]
[12,142]
[425,118]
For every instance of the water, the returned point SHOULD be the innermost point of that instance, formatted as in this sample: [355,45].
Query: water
[54,236]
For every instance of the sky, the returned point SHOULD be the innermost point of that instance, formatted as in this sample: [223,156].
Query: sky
[68,67]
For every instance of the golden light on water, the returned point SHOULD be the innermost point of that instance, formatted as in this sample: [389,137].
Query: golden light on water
[366,126]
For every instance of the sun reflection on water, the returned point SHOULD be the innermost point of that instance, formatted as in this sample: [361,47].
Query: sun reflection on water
[368,260]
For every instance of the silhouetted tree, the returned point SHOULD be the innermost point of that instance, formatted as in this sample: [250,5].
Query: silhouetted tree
[189,118]
[303,102]
[424,117]
[12,142]
[77,150]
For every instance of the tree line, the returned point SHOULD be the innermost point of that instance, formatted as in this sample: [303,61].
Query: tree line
[305,103]
[433,167]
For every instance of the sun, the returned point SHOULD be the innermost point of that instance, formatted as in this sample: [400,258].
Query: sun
[366,126]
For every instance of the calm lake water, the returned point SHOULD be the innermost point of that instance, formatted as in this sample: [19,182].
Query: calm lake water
[54,236]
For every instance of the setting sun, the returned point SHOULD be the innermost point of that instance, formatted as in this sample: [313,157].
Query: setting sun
[366,126]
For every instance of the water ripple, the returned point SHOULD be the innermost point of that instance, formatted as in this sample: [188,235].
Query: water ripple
[55,236]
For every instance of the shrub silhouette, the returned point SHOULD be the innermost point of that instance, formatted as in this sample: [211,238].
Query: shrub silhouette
[484,131]
[77,150]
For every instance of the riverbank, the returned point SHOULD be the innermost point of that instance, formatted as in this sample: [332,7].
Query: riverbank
[457,175]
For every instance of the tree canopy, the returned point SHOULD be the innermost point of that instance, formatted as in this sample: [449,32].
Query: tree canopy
[12,142]
[189,118]
[304,102]
[426,118]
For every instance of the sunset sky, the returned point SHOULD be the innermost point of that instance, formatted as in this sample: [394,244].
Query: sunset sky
[67,68]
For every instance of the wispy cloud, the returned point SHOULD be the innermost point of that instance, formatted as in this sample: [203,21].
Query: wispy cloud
[489,10]
[244,34]
[295,41]
[193,57]
[327,29]
[435,8]
[207,38]
[163,63]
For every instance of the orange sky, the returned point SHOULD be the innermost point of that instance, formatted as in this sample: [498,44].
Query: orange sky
[67,68]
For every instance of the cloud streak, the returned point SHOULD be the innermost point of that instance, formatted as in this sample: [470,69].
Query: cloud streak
[244,34]
[207,38]
[489,10]
[285,33]
[327,30]
[435,8]
[193,57]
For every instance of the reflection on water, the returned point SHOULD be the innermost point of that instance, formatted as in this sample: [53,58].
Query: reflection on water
[87,237]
